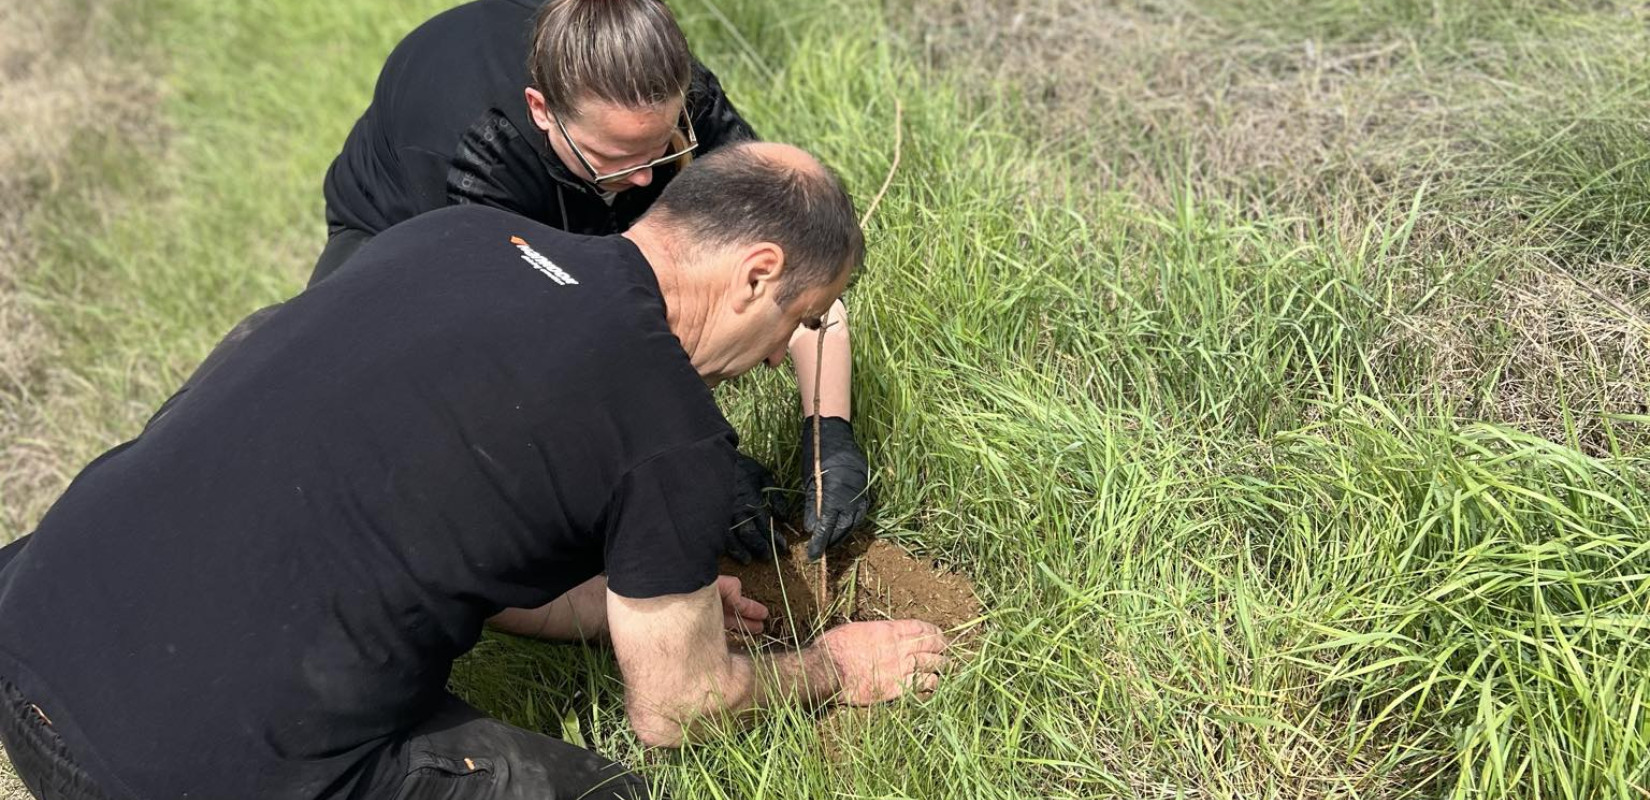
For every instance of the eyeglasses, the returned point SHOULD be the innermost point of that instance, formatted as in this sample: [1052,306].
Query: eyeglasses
[682,143]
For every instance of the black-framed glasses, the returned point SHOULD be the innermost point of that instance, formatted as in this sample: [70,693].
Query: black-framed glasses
[682,143]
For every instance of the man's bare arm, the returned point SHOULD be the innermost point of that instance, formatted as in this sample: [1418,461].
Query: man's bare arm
[680,676]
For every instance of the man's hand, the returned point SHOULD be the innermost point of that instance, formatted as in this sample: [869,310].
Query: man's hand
[879,661]
[681,678]
[845,477]
[752,533]
[740,614]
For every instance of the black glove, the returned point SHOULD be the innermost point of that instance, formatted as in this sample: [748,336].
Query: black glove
[845,477]
[753,512]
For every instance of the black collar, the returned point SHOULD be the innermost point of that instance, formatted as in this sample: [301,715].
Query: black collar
[559,172]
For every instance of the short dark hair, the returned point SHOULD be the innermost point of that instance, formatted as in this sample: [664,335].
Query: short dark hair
[627,52]
[737,195]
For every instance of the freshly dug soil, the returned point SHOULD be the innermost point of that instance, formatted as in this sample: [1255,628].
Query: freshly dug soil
[869,580]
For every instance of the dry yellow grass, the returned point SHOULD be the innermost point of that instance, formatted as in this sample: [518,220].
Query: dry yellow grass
[10,787]
[57,78]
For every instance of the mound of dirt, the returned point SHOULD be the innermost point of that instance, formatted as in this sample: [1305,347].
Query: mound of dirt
[868,580]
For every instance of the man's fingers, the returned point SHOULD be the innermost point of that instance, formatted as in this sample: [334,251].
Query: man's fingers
[739,612]
[929,662]
[733,600]
[734,622]
[915,628]
[923,685]
[749,609]
[927,639]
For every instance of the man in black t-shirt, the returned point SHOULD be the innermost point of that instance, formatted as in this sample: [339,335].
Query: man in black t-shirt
[478,418]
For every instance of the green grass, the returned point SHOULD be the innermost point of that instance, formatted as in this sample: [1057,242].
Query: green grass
[1289,461]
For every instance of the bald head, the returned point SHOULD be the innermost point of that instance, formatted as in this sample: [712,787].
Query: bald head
[787,156]
[754,192]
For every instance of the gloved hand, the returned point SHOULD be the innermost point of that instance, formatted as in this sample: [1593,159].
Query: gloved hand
[846,476]
[753,512]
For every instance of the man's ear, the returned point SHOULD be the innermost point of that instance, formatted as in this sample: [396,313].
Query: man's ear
[760,267]
[538,109]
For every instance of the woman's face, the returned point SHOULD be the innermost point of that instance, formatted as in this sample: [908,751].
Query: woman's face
[603,137]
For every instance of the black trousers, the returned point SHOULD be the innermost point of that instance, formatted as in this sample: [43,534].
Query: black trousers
[37,753]
[462,753]
[458,753]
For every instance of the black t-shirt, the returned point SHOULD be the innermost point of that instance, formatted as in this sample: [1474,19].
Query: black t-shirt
[477,412]
[449,125]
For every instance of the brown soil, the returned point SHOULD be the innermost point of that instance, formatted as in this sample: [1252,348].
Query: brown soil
[869,580]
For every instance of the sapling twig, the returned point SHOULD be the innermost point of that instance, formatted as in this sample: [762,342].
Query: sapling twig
[824,591]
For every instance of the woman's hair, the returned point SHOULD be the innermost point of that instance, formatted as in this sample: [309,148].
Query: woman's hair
[626,52]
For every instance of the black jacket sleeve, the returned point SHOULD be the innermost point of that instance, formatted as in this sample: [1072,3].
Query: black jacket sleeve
[497,166]
[715,121]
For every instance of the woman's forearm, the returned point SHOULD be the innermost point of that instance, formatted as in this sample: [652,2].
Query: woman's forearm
[836,374]
[580,614]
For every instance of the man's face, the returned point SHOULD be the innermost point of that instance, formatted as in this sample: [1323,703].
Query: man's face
[607,137]
[751,331]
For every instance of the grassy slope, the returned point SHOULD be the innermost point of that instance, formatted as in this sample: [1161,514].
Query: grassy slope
[1238,535]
